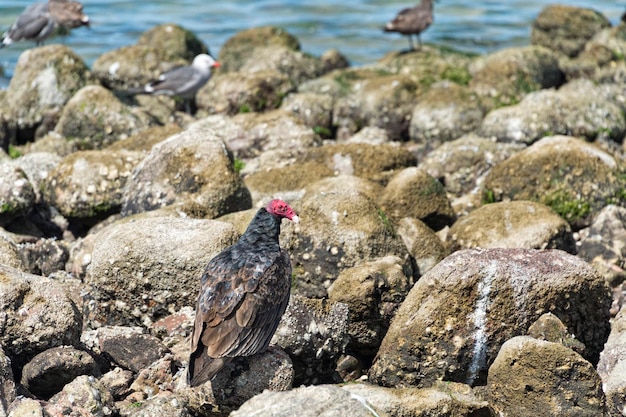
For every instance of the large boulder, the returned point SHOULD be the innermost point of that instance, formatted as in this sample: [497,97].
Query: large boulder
[457,316]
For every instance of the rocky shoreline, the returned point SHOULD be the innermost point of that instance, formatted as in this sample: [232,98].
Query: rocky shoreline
[462,243]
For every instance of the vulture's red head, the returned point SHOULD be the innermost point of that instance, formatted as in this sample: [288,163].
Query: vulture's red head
[281,209]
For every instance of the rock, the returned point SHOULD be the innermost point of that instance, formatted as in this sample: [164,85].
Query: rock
[168,405]
[531,377]
[129,347]
[43,81]
[9,251]
[384,101]
[373,291]
[314,333]
[158,50]
[87,393]
[262,141]
[513,224]
[312,401]
[192,169]
[566,29]
[157,376]
[548,327]
[243,92]
[376,163]
[344,227]
[425,247]
[370,135]
[574,178]
[579,108]
[615,390]
[412,192]
[444,113]
[88,185]
[117,381]
[443,399]
[455,318]
[37,314]
[49,371]
[505,77]
[17,196]
[461,165]
[614,351]
[144,141]
[96,118]
[603,244]
[44,257]
[313,109]
[140,269]
[8,392]
[37,166]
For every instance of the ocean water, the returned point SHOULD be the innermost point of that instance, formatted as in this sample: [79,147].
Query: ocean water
[353,26]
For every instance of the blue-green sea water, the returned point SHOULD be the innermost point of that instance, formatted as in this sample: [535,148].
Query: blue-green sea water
[351,26]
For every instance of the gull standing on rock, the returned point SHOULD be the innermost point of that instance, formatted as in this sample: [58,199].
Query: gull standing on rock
[183,82]
[38,21]
[412,21]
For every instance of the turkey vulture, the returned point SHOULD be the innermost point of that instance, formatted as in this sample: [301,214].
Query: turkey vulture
[243,294]
[412,21]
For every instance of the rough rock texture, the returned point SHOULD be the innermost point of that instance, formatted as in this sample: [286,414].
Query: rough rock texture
[9,251]
[455,318]
[17,196]
[35,314]
[44,80]
[315,110]
[513,224]
[612,360]
[504,77]
[87,393]
[574,178]
[548,327]
[531,377]
[37,167]
[425,247]
[580,108]
[158,50]
[7,383]
[141,268]
[566,29]
[412,192]
[314,333]
[49,371]
[89,184]
[344,228]
[444,113]
[192,169]
[95,118]
[373,291]
[312,401]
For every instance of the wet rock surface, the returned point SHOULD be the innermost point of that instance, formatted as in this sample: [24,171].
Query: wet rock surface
[460,250]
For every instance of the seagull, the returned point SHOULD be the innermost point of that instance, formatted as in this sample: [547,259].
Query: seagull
[38,21]
[182,82]
[413,20]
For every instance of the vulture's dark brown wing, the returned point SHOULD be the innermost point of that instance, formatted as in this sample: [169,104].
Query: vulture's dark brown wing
[239,308]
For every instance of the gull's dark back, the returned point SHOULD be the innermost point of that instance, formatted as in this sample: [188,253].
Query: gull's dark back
[412,21]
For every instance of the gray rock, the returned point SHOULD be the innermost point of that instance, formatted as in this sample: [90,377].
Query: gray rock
[615,390]
[9,251]
[88,394]
[158,376]
[344,227]
[412,192]
[603,244]
[574,178]
[142,268]
[531,377]
[614,351]
[8,393]
[157,50]
[373,291]
[444,113]
[17,196]
[512,224]
[580,108]
[117,381]
[566,29]
[89,184]
[37,166]
[44,80]
[441,400]
[36,314]
[169,405]
[192,169]
[548,327]
[455,318]
[44,256]
[49,371]
[313,109]
[129,347]
[312,401]
[96,118]
[314,333]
